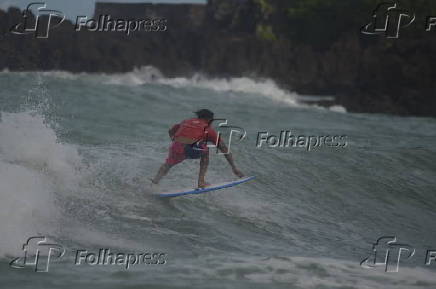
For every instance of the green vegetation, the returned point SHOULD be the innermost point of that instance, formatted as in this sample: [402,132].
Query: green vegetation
[266,8]
[265,32]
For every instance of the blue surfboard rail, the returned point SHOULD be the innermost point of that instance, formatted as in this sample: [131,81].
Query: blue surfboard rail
[207,189]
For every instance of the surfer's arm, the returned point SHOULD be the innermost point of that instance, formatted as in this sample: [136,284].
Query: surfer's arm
[229,157]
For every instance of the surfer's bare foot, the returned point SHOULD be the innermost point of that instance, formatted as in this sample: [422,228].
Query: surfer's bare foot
[238,172]
[153,183]
[203,184]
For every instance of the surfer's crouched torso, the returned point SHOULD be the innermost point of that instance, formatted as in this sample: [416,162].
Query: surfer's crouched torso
[190,139]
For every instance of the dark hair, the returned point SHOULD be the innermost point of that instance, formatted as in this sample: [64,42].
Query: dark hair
[204,113]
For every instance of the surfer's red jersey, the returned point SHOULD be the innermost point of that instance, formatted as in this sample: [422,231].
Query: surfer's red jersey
[196,129]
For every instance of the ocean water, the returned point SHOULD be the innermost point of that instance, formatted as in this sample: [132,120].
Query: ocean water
[77,150]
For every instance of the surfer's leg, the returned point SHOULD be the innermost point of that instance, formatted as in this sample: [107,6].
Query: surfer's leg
[204,162]
[176,155]
[163,170]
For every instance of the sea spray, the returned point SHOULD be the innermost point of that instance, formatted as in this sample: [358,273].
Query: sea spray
[33,165]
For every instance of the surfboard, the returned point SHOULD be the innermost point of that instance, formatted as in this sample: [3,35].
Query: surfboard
[206,189]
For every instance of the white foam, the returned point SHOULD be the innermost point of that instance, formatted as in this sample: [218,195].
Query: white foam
[25,206]
[33,165]
[338,108]
[149,74]
[26,140]
[139,76]
[265,87]
[312,273]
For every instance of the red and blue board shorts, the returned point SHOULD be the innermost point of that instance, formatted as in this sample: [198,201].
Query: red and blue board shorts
[178,152]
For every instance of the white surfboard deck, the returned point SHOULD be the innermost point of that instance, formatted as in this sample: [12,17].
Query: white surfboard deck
[213,187]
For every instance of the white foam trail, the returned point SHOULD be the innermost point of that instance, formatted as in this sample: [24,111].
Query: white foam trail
[338,108]
[265,87]
[33,165]
[139,76]
[149,74]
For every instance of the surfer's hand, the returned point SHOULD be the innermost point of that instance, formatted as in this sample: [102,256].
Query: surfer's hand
[238,172]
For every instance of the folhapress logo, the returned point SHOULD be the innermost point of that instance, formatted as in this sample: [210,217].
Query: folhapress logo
[387,253]
[35,24]
[388,19]
[38,253]
[234,133]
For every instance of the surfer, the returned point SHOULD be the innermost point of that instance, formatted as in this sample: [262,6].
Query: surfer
[189,141]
